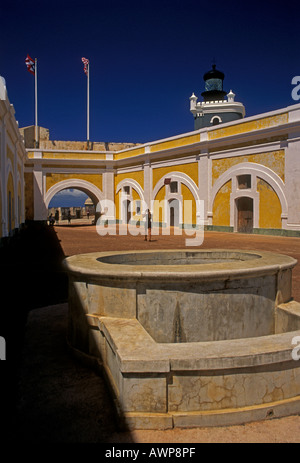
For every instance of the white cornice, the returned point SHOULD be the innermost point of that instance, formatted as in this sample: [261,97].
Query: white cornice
[219,106]
[204,143]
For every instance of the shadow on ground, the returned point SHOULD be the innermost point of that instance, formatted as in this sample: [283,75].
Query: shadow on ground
[47,395]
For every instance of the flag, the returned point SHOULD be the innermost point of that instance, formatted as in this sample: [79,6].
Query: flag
[85,62]
[30,65]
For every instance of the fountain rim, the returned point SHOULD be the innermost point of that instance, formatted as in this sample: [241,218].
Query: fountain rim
[263,263]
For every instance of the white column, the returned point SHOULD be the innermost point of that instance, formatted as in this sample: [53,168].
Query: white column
[109,191]
[148,183]
[3,177]
[292,182]
[40,210]
[203,175]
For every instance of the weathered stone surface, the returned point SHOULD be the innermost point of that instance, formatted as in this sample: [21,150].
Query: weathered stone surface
[189,343]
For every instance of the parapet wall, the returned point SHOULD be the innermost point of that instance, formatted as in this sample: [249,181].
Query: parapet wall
[45,142]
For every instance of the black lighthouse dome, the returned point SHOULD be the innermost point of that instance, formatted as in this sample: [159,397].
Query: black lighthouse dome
[213,85]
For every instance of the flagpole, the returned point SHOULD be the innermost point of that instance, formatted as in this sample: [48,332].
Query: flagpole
[88,105]
[36,112]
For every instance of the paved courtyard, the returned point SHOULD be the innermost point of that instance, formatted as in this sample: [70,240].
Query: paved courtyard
[61,400]
[81,239]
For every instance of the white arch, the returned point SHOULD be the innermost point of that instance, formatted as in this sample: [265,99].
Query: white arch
[179,177]
[190,184]
[87,187]
[134,184]
[124,198]
[215,117]
[259,171]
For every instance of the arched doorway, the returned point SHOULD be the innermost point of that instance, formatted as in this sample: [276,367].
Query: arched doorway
[71,203]
[88,188]
[244,207]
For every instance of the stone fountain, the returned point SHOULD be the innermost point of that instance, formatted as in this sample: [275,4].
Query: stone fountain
[188,338]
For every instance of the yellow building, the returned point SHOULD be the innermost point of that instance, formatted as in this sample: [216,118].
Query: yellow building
[245,173]
[12,160]
[240,176]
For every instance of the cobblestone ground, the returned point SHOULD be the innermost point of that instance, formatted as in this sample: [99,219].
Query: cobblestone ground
[61,400]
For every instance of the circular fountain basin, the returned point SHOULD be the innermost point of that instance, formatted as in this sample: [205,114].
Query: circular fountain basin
[187,296]
[189,338]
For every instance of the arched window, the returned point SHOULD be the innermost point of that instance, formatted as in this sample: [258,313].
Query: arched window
[215,120]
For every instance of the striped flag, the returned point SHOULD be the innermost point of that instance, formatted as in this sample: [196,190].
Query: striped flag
[85,62]
[30,64]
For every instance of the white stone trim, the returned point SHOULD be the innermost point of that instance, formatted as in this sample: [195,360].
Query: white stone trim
[256,171]
[184,179]
[83,185]
[132,183]
[248,150]
[175,162]
[128,197]
[216,117]
[70,170]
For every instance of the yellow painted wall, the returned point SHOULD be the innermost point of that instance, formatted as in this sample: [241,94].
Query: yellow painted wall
[177,142]
[221,207]
[130,153]
[274,160]
[138,176]
[72,155]
[189,206]
[29,204]
[269,206]
[250,126]
[190,169]
[117,205]
[136,197]
[52,179]
[158,212]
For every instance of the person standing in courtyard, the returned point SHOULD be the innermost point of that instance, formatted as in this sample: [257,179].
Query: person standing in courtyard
[148,225]
[56,216]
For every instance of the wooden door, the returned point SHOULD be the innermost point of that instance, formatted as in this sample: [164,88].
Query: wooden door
[245,215]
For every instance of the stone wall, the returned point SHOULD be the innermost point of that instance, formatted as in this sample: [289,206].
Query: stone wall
[45,142]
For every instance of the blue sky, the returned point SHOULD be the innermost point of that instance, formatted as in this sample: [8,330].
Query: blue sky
[147,58]
[68,198]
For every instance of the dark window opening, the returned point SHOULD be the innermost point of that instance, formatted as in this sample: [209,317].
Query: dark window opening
[215,121]
[173,187]
[244,182]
